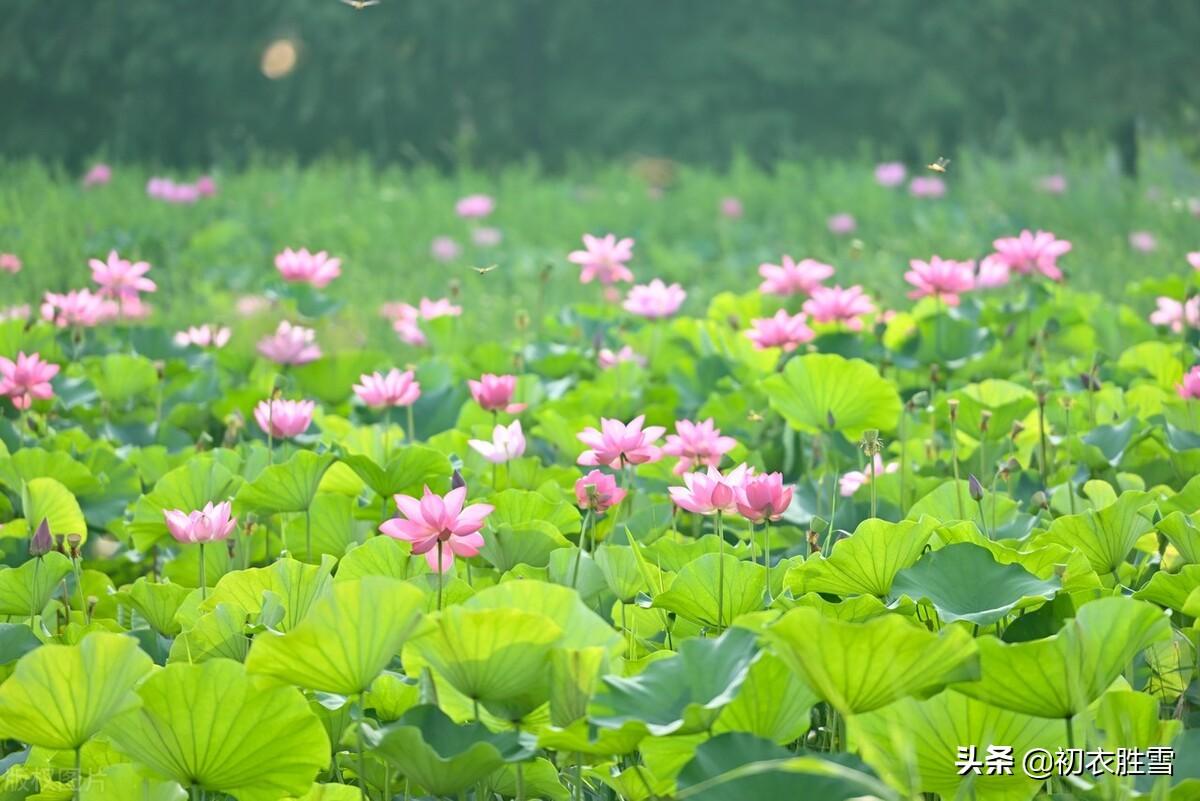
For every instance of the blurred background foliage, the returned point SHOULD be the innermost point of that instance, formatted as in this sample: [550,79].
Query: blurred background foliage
[482,82]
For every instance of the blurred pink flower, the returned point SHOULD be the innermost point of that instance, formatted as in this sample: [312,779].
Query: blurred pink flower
[410,333]
[1189,387]
[171,192]
[9,263]
[284,419]
[486,237]
[494,393]
[18,312]
[841,224]
[250,305]
[290,344]
[890,173]
[654,300]
[26,379]
[617,444]
[793,278]
[1033,252]
[837,305]
[993,272]
[783,330]
[443,248]
[507,443]
[98,175]
[598,491]
[206,186]
[394,388]
[121,279]
[204,336]
[763,497]
[1143,241]
[603,259]
[475,206]
[1171,312]
[1052,184]
[710,492]
[731,208]
[210,524]
[940,278]
[79,307]
[697,445]
[1193,259]
[850,482]
[302,267]
[442,307]
[927,186]
[608,359]
[438,526]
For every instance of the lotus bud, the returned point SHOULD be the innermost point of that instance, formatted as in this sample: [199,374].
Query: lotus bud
[547,269]
[975,488]
[830,420]
[41,543]
[1043,391]
[457,481]
[952,405]
[1090,381]
[1017,428]
[454,288]
[870,443]
[1066,402]
[73,542]
[919,400]
[1038,500]
[1013,466]
[521,321]
[985,417]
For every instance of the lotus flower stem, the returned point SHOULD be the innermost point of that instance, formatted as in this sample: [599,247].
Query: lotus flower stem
[721,574]
[578,789]
[79,771]
[767,556]
[1066,441]
[37,566]
[356,707]
[441,575]
[412,429]
[520,781]
[587,518]
[871,463]
[83,605]
[903,460]
[203,583]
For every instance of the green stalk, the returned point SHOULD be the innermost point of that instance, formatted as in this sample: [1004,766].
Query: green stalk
[721,575]
[356,704]
[587,518]
[1070,469]
[441,575]
[203,583]
[412,431]
[767,556]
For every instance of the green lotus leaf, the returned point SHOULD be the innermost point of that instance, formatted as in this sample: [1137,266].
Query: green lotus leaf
[516,508]
[199,480]
[126,782]
[574,674]
[866,562]
[580,626]
[122,377]
[773,703]
[539,778]
[1172,664]
[219,634]
[1130,719]
[16,640]
[296,584]
[942,504]
[840,660]
[1172,590]
[348,637]
[25,590]
[1106,536]
[1181,531]
[380,556]
[530,543]
[582,737]
[680,694]
[408,472]
[47,499]
[391,695]
[694,591]
[287,487]
[622,571]
[1006,401]
[854,609]
[964,582]
[60,696]
[1058,677]
[330,524]
[156,602]
[213,726]
[499,657]
[915,744]
[30,463]
[442,757]
[824,392]
[331,792]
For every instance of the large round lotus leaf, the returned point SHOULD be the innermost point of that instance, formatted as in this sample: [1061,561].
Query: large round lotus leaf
[915,744]
[583,738]
[59,696]
[156,602]
[773,703]
[858,667]
[219,634]
[25,590]
[742,767]
[1172,590]
[410,469]
[47,499]
[126,782]
[680,694]
[1106,536]
[215,726]
[499,657]
[943,503]
[1181,531]
[436,754]
[964,582]
[380,556]
[199,480]
[295,585]
[866,562]
[581,627]
[348,637]
[693,593]
[287,487]
[825,392]
[1060,676]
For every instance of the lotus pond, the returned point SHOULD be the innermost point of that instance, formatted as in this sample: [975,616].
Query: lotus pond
[541,517]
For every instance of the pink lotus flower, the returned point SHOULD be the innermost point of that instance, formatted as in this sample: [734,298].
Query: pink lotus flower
[1143,241]
[9,263]
[654,300]
[993,272]
[204,336]
[284,419]
[763,497]
[1033,252]
[409,332]
[927,186]
[783,330]
[443,248]
[508,443]
[697,445]
[79,307]
[890,173]
[205,186]
[608,359]
[167,190]
[598,492]
[1189,387]
[18,312]
[494,393]
[98,175]
[438,526]
[837,305]
[394,389]
[474,206]
[710,492]
[793,278]
[841,224]
[121,279]
[290,344]
[850,482]
[210,524]
[251,305]
[1053,184]
[433,309]
[1171,312]
[1193,259]
[486,237]
[617,444]
[405,318]
[603,259]
[302,267]
[26,379]
[940,278]
[731,208]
